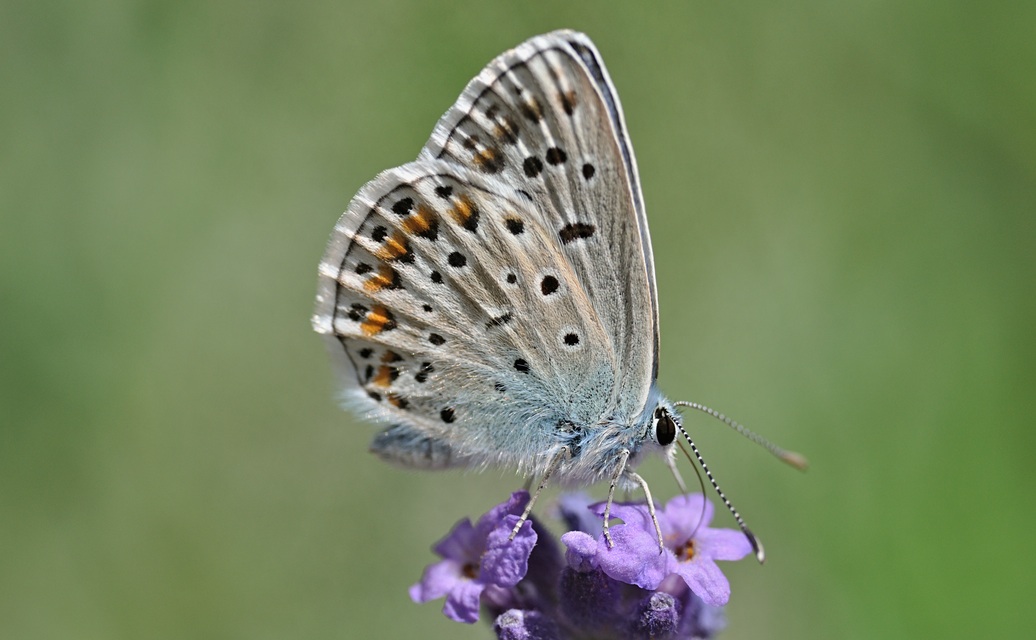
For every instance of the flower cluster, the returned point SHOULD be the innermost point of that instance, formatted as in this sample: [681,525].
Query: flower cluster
[623,591]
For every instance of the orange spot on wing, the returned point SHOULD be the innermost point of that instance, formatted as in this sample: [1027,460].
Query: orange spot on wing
[378,319]
[461,212]
[487,158]
[385,278]
[420,221]
[384,376]
[395,247]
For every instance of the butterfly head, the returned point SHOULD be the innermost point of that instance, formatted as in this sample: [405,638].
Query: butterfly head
[663,426]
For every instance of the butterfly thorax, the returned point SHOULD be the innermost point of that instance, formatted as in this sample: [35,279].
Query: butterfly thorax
[599,451]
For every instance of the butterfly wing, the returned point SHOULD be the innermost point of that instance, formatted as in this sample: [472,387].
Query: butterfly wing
[504,278]
[545,119]
[453,313]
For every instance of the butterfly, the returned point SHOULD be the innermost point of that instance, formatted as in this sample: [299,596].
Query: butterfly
[493,303]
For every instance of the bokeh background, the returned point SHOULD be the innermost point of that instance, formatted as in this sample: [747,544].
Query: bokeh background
[842,197]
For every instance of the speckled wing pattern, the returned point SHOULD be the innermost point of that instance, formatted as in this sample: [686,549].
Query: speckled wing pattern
[500,288]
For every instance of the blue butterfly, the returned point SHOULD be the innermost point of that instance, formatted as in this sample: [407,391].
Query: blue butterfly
[493,303]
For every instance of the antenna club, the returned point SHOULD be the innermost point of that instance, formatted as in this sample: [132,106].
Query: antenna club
[757,546]
[796,460]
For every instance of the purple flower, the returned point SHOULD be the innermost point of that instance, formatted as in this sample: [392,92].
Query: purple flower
[628,591]
[634,558]
[477,557]
[631,591]
[692,548]
[695,546]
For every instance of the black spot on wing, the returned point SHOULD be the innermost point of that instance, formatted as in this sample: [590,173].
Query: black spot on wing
[576,231]
[556,156]
[549,285]
[499,320]
[357,312]
[532,166]
[424,372]
[532,110]
[515,225]
[457,260]
[403,207]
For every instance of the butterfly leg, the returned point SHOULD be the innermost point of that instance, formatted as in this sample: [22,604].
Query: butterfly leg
[651,507]
[647,494]
[563,454]
[624,456]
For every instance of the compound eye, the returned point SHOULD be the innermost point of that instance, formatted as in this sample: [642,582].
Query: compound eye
[665,427]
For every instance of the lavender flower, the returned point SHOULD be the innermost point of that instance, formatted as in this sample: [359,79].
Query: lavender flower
[634,558]
[478,557]
[696,546]
[629,591]
[692,547]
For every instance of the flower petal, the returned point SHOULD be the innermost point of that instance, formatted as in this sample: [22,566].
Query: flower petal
[581,551]
[513,506]
[635,558]
[680,517]
[634,514]
[461,543]
[705,580]
[438,580]
[722,544]
[462,602]
[506,561]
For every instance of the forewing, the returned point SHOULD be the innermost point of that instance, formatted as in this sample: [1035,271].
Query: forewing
[544,120]
[455,314]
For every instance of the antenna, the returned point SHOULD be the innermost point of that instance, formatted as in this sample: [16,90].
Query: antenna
[792,458]
[757,546]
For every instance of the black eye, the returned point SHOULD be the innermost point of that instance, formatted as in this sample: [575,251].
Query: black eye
[665,427]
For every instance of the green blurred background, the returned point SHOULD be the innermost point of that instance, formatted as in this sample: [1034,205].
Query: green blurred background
[842,197]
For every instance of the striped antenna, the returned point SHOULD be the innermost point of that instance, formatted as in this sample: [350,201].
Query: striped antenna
[757,545]
[796,460]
